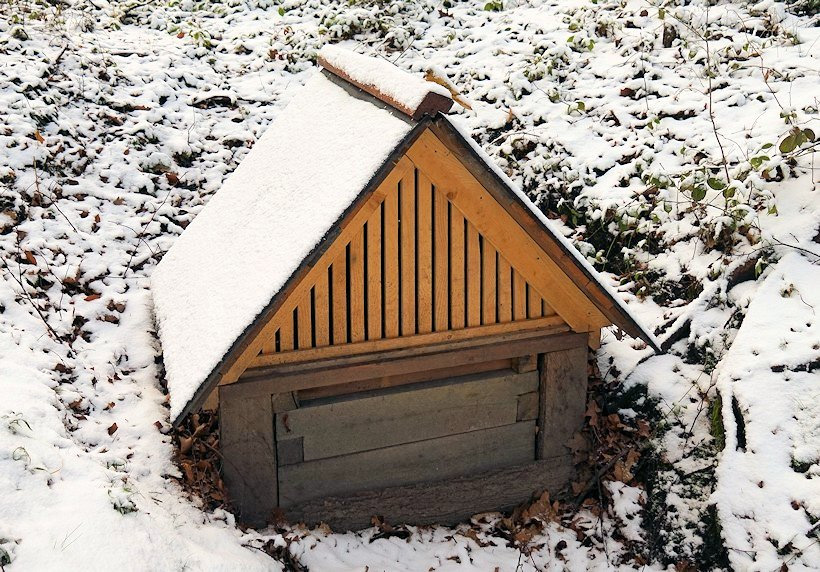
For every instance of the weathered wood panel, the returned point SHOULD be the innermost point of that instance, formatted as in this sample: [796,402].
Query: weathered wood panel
[407,284]
[424,254]
[446,502]
[390,247]
[457,292]
[374,275]
[357,289]
[249,461]
[339,302]
[434,459]
[563,391]
[392,418]
[489,283]
[441,262]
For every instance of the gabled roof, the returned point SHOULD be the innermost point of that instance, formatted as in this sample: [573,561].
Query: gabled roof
[281,207]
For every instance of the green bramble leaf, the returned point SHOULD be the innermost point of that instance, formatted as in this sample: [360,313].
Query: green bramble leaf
[716,184]
[699,193]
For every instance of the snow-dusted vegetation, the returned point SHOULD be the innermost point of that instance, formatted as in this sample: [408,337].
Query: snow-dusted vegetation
[675,142]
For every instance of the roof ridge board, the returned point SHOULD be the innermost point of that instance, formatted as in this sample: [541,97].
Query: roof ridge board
[432,103]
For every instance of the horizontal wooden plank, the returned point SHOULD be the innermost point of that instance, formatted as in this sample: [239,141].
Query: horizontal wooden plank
[446,502]
[434,459]
[393,417]
[405,379]
[401,362]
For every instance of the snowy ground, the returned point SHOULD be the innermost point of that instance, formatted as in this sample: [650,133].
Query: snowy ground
[669,139]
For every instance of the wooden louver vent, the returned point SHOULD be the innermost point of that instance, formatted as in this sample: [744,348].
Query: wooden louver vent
[416,267]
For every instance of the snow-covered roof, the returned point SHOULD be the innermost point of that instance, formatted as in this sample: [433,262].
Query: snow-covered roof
[297,182]
[255,231]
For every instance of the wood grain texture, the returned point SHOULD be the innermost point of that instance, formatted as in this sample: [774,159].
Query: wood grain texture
[562,399]
[339,302]
[519,296]
[391,417]
[441,262]
[430,460]
[473,279]
[321,317]
[445,502]
[489,283]
[407,285]
[390,295]
[249,461]
[424,254]
[357,289]
[457,292]
[286,334]
[533,303]
[504,290]
[374,275]
[304,319]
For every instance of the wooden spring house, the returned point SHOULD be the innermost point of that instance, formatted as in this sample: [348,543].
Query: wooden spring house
[387,325]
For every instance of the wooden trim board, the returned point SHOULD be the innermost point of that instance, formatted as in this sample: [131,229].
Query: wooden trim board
[446,502]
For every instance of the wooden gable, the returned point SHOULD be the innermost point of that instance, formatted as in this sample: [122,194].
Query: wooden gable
[429,257]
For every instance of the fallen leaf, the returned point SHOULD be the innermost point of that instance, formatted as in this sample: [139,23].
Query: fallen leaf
[112,429]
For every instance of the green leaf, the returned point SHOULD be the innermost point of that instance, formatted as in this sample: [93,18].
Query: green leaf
[729,192]
[756,162]
[716,184]
[581,106]
[570,39]
[667,207]
[698,193]
[661,13]
[788,144]
[808,134]
[767,145]
[281,10]
[773,210]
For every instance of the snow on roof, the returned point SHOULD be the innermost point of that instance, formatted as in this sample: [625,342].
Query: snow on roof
[298,179]
[376,74]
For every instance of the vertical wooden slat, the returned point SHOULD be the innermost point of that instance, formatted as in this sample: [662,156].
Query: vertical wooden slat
[504,290]
[533,303]
[473,277]
[304,335]
[546,309]
[519,289]
[488,283]
[424,254]
[286,332]
[357,309]
[340,298]
[321,314]
[407,213]
[456,268]
[374,275]
[391,265]
[441,281]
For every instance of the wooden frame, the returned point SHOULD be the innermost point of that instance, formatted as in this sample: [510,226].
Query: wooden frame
[252,459]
